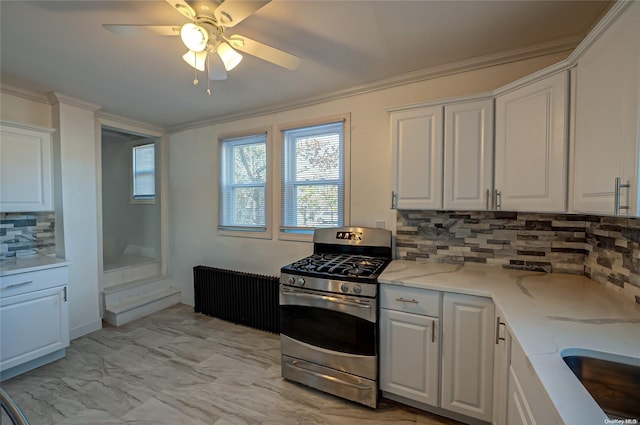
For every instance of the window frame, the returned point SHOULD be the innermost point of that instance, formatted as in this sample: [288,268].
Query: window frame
[259,232]
[142,199]
[306,235]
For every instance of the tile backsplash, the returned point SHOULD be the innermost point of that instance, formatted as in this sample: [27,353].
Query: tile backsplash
[606,249]
[27,234]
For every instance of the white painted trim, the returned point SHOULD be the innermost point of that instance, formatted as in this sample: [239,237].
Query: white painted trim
[439,102]
[85,329]
[24,126]
[24,93]
[55,97]
[130,125]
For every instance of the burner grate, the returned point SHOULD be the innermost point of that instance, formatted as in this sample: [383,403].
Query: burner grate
[340,265]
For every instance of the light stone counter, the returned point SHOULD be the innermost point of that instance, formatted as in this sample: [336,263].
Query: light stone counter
[29,264]
[549,314]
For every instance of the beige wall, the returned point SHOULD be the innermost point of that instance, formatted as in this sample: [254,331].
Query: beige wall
[193,168]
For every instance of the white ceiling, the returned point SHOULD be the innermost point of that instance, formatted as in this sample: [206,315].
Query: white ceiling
[61,46]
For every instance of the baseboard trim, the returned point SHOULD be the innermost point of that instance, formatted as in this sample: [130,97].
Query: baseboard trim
[85,329]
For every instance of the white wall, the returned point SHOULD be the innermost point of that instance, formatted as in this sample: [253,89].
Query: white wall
[193,172]
[76,209]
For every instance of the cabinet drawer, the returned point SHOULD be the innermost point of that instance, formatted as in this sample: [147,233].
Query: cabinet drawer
[21,283]
[425,302]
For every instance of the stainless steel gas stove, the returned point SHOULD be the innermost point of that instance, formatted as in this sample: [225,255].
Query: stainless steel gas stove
[329,313]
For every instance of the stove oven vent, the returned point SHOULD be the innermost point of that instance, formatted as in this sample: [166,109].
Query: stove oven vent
[243,298]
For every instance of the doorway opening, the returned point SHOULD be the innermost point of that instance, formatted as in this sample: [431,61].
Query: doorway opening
[131,208]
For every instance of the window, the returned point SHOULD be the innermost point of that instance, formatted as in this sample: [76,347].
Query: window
[313,177]
[144,173]
[243,183]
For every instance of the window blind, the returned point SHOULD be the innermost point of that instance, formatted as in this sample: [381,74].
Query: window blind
[144,171]
[313,177]
[243,183]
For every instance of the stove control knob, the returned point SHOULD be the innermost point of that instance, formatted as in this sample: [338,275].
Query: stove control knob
[291,280]
[300,281]
[357,289]
[344,287]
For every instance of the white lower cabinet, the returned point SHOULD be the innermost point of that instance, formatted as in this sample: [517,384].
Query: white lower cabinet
[409,350]
[34,320]
[501,361]
[467,355]
[527,403]
[453,375]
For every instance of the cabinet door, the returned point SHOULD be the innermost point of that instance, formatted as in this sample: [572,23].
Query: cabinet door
[25,169]
[501,359]
[527,404]
[416,140]
[468,155]
[531,146]
[33,325]
[409,356]
[467,355]
[606,118]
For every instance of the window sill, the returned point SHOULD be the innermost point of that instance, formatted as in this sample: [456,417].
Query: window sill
[245,234]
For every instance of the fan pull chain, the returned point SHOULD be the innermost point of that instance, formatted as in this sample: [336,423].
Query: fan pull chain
[195,71]
[208,77]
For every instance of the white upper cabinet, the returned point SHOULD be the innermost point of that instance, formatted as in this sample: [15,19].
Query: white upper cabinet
[468,155]
[607,118]
[416,143]
[25,168]
[531,146]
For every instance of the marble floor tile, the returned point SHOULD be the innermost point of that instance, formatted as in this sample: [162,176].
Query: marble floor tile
[179,367]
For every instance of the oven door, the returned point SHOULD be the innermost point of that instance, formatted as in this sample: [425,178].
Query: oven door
[332,322]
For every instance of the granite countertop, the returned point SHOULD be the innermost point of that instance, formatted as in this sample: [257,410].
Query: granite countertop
[548,314]
[29,264]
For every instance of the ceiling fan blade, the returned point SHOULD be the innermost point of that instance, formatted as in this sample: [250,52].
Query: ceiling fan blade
[129,30]
[183,7]
[232,12]
[264,52]
[216,67]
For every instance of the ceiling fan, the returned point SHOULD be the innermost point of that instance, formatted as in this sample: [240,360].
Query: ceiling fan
[205,35]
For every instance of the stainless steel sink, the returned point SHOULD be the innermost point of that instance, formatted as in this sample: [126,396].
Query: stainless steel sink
[615,386]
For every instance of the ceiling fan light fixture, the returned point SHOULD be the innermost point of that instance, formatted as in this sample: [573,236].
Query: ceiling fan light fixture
[195,59]
[194,37]
[230,58]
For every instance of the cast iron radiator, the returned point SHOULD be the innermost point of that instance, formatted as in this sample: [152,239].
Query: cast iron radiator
[243,298]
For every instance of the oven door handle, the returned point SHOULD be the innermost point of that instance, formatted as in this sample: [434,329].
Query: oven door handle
[294,364]
[353,303]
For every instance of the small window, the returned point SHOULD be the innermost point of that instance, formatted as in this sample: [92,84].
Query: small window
[243,183]
[313,177]
[144,173]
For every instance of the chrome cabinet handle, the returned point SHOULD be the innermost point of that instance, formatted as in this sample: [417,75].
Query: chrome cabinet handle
[15,285]
[433,332]
[498,337]
[616,196]
[488,194]
[393,199]
[404,300]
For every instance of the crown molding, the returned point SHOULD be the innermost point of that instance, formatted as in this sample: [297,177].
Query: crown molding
[24,93]
[130,125]
[556,46]
[59,98]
